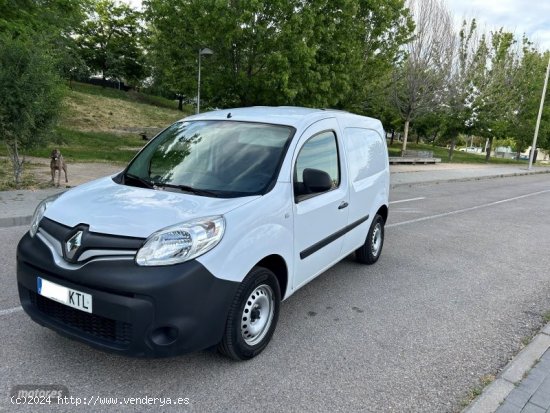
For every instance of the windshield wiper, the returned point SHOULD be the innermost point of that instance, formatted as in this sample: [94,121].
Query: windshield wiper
[187,188]
[142,181]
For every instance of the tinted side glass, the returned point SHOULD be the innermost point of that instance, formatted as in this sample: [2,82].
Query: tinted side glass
[321,153]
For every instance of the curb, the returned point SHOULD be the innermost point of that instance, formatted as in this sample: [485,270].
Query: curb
[473,178]
[15,221]
[495,393]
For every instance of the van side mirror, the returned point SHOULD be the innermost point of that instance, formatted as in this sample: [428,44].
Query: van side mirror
[316,180]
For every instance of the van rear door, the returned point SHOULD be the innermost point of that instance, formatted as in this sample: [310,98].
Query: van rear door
[367,163]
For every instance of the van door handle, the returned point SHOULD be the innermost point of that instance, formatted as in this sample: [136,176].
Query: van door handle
[343,205]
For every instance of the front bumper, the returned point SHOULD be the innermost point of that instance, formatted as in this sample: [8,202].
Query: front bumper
[137,311]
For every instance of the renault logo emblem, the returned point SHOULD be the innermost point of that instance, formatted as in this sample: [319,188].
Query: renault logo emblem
[73,244]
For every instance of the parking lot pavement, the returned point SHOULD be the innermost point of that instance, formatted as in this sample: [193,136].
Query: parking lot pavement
[463,278]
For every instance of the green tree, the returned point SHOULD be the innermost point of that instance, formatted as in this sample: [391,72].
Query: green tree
[387,25]
[311,53]
[53,19]
[54,22]
[528,85]
[429,126]
[493,86]
[31,97]
[457,111]
[110,42]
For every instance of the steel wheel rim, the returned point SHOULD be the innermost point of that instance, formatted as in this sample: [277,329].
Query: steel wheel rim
[376,243]
[257,315]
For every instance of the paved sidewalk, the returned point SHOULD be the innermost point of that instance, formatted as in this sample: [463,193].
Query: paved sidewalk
[17,207]
[533,393]
[524,384]
[415,174]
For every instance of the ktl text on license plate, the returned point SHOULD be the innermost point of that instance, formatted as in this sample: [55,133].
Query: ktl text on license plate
[64,295]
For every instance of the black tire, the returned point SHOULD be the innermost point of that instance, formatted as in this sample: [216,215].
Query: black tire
[370,251]
[240,340]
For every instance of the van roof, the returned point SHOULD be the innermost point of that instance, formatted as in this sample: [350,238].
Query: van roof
[284,115]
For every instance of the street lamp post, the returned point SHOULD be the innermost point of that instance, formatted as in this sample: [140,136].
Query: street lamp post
[534,146]
[205,51]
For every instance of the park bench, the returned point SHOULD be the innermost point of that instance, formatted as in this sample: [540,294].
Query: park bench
[414,157]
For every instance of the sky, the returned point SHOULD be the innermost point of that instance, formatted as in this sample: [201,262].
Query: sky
[519,16]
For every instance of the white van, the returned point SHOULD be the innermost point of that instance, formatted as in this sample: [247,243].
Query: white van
[214,222]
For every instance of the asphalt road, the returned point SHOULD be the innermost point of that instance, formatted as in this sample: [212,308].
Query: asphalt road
[463,278]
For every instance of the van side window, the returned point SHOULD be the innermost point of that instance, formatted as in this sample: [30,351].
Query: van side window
[318,158]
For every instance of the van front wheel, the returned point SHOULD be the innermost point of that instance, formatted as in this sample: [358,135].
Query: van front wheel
[253,315]
[370,251]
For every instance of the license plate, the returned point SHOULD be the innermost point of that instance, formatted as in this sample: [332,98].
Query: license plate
[68,296]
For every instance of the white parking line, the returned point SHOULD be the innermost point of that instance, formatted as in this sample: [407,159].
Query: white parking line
[407,200]
[10,310]
[459,211]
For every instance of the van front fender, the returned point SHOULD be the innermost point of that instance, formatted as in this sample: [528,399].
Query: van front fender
[254,231]
[233,260]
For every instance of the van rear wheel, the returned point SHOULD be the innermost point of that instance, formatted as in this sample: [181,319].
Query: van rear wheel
[253,315]
[370,251]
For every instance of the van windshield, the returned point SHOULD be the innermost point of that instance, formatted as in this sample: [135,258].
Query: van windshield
[212,158]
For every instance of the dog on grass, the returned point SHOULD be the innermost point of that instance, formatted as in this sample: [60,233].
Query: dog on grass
[57,164]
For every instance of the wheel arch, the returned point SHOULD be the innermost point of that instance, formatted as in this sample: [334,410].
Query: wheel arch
[277,264]
[383,212]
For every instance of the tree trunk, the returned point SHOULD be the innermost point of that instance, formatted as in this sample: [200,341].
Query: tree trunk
[405,135]
[180,103]
[392,136]
[489,148]
[17,163]
[417,138]
[452,148]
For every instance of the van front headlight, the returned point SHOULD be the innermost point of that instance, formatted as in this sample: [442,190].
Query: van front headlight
[39,213]
[181,242]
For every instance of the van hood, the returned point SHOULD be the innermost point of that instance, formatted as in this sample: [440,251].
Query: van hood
[115,209]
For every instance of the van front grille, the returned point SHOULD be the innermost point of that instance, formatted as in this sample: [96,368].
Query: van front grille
[117,332]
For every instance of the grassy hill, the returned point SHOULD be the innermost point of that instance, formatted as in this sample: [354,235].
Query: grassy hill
[91,108]
[99,124]
[103,124]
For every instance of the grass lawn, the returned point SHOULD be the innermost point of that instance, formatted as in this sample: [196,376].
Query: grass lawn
[130,96]
[98,125]
[93,146]
[443,153]
[97,113]
[89,146]
[28,180]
